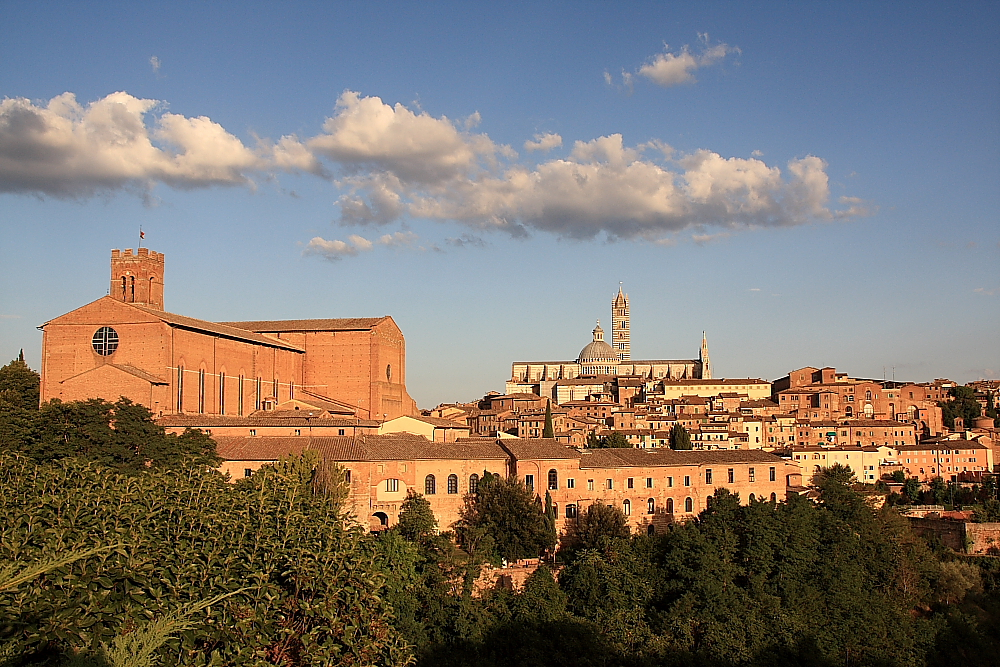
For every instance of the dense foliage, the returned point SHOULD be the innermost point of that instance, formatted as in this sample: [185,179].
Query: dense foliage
[504,520]
[962,404]
[304,589]
[613,440]
[792,583]
[679,437]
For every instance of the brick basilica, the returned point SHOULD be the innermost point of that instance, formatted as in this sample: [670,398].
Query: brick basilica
[126,344]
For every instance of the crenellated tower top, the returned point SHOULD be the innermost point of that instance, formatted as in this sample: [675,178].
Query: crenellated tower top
[137,277]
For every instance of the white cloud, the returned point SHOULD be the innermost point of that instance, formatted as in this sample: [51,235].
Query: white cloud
[757,153]
[607,187]
[389,163]
[64,149]
[670,69]
[543,142]
[986,292]
[355,244]
[155,63]
[366,133]
[754,289]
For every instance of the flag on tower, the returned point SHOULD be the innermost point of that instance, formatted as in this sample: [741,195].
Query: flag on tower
[142,234]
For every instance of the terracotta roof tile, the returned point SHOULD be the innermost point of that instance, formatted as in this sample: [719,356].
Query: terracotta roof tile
[224,330]
[332,324]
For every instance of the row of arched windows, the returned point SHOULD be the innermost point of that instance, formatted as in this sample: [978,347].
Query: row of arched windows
[430,484]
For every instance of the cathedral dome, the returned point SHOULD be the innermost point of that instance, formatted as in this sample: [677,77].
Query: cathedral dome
[597,351]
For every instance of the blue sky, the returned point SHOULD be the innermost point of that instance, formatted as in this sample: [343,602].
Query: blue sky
[810,183]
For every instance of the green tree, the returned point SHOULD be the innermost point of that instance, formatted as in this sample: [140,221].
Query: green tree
[898,476]
[290,584]
[596,525]
[416,519]
[912,490]
[962,404]
[508,513]
[18,403]
[19,385]
[679,437]
[613,440]
[121,434]
[548,431]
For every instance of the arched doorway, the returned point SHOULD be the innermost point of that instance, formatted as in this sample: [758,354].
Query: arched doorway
[379,521]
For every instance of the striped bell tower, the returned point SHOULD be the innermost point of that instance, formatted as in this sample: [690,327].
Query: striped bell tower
[620,336]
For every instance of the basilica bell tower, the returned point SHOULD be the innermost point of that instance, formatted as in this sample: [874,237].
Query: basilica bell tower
[137,278]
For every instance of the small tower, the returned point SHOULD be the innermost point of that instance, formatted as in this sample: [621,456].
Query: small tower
[620,337]
[137,278]
[706,363]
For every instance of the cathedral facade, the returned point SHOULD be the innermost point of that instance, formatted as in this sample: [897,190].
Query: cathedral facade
[615,358]
[126,344]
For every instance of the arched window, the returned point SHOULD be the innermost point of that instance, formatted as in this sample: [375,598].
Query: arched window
[670,505]
[688,505]
[430,485]
[124,287]
[774,497]
[201,391]
[452,483]
[650,529]
[868,395]
[650,506]
[132,286]
[222,393]
[752,497]
[180,388]
[848,411]
[239,395]
[571,511]
[627,507]
[473,483]
[553,479]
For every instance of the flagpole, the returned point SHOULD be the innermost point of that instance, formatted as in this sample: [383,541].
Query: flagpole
[140,236]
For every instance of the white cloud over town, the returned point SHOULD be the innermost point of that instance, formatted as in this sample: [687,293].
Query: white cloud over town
[390,163]
[674,68]
[355,244]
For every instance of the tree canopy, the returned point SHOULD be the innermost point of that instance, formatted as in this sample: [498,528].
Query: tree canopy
[416,518]
[120,434]
[962,404]
[301,586]
[19,385]
[509,514]
[679,437]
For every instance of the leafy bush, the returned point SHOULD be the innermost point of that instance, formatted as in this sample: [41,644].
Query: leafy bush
[304,588]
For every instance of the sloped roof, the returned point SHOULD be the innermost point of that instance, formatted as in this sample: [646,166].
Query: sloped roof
[219,329]
[329,324]
[262,418]
[538,448]
[241,448]
[631,457]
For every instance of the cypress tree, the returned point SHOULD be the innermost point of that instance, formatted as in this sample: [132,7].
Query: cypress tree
[548,431]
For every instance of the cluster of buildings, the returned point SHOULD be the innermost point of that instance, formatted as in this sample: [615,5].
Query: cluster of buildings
[266,389]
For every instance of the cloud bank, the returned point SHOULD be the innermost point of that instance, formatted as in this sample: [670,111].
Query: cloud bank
[391,163]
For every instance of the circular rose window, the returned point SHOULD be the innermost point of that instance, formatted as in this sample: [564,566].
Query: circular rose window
[105,341]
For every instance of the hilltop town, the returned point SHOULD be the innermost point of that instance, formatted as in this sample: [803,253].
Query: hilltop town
[654,438]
